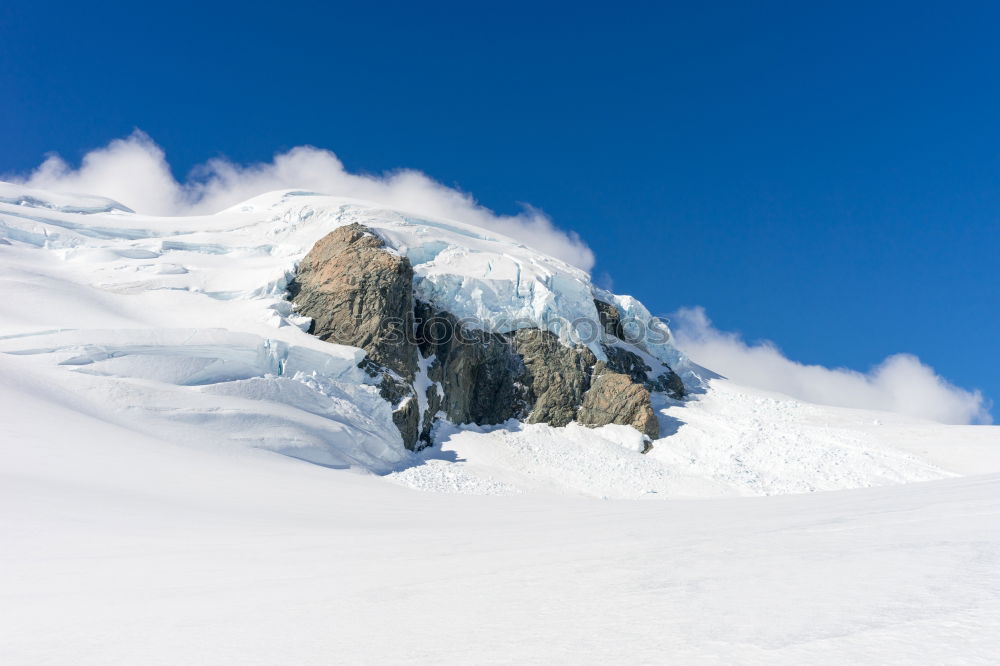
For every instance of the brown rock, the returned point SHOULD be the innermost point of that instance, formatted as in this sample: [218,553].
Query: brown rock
[359,293]
[614,398]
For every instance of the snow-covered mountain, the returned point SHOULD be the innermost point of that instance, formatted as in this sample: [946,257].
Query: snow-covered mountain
[175,434]
[182,329]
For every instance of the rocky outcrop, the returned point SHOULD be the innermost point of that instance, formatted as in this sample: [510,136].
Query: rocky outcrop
[557,375]
[359,292]
[611,319]
[614,398]
[488,378]
[668,382]
[629,363]
[622,360]
[403,398]
[482,379]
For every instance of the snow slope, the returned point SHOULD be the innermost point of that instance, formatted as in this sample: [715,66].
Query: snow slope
[119,547]
[161,408]
[729,441]
[180,309]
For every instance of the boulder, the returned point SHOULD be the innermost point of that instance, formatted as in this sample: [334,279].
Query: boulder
[614,398]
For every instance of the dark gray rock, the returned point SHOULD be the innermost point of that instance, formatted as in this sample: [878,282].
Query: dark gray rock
[482,377]
[400,394]
[435,402]
[668,382]
[406,417]
[629,363]
[557,375]
[611,319]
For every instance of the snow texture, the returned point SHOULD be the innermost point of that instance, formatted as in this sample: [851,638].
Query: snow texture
[189,477]
[122,547]
[181,327]
[150,308]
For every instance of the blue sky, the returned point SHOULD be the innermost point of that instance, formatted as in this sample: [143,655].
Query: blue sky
[823,176]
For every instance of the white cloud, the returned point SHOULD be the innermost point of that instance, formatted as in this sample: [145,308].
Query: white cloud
[134,171]
[900,383]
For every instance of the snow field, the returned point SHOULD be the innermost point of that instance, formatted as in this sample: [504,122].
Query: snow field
[187,477]
[122,548]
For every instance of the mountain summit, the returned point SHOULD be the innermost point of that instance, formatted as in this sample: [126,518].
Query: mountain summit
[427,351]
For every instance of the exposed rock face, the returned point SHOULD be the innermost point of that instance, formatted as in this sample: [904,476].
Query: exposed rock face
[628,362]
[615,398]
[611,319]
[670,383]
[483,380]
[403,398]
[360,293]
[435,404]
[558,375]
[489,378]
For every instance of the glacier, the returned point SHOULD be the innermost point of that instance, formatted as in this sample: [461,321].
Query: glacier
[487,280]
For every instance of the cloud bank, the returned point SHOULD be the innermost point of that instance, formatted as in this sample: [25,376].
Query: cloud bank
[134,171]
[900,383]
